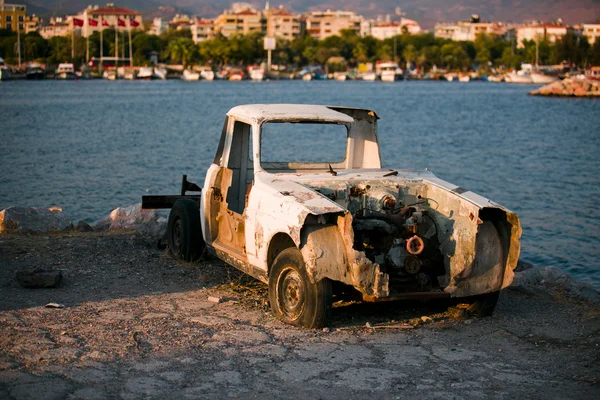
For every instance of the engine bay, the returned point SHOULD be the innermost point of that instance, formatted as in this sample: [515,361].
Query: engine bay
[395,226]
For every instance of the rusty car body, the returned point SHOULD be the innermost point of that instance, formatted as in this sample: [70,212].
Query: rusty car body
[305,228]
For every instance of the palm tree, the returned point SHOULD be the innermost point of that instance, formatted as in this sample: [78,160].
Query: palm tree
[183,50]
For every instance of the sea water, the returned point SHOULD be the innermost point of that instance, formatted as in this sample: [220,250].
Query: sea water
[91,146]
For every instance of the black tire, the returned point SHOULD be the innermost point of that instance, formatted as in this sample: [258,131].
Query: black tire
[294,299]
[484,305]
[183,231]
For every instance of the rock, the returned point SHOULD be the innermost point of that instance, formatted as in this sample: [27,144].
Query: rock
[33,220]
[579,87]
[154,230]
[131,217]
[555,281]
[38,278]
[84,227]
[216,300]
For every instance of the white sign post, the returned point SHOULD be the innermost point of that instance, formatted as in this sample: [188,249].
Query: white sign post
[269,45]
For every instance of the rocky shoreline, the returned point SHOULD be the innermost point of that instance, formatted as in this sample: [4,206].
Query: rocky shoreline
[127,321]
[570,87]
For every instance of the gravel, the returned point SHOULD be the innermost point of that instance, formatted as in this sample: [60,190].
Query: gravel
[137,324]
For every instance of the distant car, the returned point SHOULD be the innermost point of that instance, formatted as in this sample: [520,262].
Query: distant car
[297,198]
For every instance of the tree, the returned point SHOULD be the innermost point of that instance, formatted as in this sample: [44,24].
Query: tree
[183,50]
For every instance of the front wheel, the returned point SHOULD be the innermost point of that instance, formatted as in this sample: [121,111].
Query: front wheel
[294,299]
[183,231]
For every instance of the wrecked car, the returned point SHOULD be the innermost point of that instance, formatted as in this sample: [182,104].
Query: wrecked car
[321,216]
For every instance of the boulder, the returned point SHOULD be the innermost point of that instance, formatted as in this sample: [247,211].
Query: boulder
[83,226]
[578,87]
[33,220]
[555,281]
[150,225]
[122,218]
[38,278]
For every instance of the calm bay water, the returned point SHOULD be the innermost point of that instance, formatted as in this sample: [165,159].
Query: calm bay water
[90,146]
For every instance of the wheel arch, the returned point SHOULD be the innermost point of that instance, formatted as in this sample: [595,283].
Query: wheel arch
[279,242]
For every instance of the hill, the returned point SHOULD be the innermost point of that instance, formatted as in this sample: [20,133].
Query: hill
[427,12]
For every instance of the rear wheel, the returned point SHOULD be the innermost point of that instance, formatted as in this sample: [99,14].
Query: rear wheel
[294,299]
[183,231]
[484,305]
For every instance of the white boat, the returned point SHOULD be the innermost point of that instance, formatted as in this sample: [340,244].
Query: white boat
[110,74]
[189,75]
[537,77]
[451,77]
[145,73]
[149,73]
[390,72]
[369,76]
[495,78]
[257,74]
[518,77]
[159,73]
[341,76]
[307,77]
[4,73]
[126,73]
[207,75]
[65,71]
[464,78]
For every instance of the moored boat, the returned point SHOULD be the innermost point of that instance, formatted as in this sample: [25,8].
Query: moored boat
[518,77]
[189,75]
[65,71]
[207,75]
[256,73]
[4,72]
[369,76]
[390,72]
[540,77]
[35,72]
[110,74]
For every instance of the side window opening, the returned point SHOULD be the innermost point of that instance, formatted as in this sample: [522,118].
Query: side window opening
[241,166]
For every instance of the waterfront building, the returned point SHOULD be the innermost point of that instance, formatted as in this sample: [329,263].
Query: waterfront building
[540,31]
[202,29]
[468,30]
[158,26]
[282,23]
[384,30]
[239,21]
[115,17]
[56,27]
[591,32]
[32,23]
[180,22]
[12,16]
[322,24]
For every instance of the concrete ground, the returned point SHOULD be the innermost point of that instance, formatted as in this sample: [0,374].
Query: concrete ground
[137,325]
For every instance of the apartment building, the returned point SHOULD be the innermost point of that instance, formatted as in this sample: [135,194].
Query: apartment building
[239,21]
[56,27]
[12,16]
[468,30]
[281,23]
[536,31]
[591,31]
[384,30]
[322,24]
[202,29]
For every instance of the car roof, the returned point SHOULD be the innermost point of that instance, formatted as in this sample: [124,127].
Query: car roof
[259,113]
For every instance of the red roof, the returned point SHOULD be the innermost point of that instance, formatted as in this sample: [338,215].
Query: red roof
[205,22]
[246,12]
[113,11]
